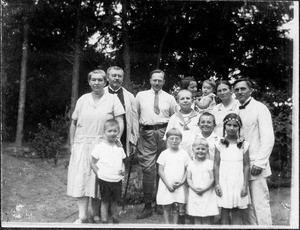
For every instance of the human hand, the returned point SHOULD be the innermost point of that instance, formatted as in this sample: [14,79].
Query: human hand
[118,142]
[244,191]
[255,170]
[176,185]
[170,188]
[199,191]
[218,190]
[121,172]
[132,148]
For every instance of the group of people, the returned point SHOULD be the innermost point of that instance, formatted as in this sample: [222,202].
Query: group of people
[199,159]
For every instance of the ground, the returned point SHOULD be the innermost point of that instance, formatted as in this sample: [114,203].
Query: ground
[34,191]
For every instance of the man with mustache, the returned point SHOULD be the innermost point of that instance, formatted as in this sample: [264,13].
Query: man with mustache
[155,107]
[115,77]
[258,131]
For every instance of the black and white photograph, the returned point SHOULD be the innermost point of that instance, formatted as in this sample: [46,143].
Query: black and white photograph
[149,114]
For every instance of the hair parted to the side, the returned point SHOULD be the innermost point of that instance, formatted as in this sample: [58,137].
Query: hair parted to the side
[158,71]
[174,132]
[97,71]
[110,123]
[232,117]
[249,83]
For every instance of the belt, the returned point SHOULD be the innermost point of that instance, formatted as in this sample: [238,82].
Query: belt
[154,127]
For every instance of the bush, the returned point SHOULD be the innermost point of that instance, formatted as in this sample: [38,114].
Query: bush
[47,141]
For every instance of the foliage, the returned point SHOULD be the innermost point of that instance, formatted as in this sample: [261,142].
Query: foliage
[46,141]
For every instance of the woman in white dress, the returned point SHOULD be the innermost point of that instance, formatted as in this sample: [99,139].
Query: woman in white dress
[86,130]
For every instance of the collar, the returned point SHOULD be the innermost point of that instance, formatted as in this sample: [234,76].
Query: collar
[154,91]
[113,89]
[212,135]
[247,101]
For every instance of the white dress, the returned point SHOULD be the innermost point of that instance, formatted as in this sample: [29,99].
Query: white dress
[231,176]
[205,204]
[90,119]
[174,168]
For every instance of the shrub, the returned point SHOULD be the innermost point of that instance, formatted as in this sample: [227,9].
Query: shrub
[46,141]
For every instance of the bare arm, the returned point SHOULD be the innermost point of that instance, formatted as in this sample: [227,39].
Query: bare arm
[72,131]
[163,178]
[121,123]
[178,184]
[94,166]
[216,172]
[190,182]
[246,169]
[204,102]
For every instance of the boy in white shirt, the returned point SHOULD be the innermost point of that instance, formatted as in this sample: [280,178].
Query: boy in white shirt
[107,163]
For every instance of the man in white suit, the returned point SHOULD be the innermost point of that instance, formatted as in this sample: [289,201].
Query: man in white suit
[257,128]
[115,77]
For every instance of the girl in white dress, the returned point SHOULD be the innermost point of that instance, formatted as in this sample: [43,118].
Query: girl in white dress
[172,164]
[231,171]
[202,201]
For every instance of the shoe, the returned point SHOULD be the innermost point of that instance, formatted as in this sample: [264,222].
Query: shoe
[147,212]
[81,221]
[159,210]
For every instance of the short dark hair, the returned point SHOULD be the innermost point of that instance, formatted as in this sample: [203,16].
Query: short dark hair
[224,82]
[245,79]
[157,71]
[185,82]
[97,71]
[111,122]
[174,132]
[208,114]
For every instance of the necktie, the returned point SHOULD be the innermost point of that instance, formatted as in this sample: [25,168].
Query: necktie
[156,108]
[244,105]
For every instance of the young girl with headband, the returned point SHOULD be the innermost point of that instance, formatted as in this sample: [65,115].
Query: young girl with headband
[231,171]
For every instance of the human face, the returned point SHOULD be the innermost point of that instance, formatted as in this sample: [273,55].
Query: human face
[224,92]
[192,87]
[174,141]
[206,124]
[232,128]
[115,78]
[200,152]
[242,91]
[157,81]
[185,101]
[97,82]
[207,89]
[111,133]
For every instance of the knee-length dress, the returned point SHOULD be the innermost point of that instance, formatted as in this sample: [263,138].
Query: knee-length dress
[205,204]
[231,176]
[174,168]
[90,119]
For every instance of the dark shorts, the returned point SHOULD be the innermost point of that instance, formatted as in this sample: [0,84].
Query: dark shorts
[110,191]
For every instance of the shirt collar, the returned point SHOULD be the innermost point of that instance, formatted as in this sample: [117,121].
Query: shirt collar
[247,100]
[113,89]
[154,91]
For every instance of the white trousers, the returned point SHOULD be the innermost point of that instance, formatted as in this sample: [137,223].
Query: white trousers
[261,201]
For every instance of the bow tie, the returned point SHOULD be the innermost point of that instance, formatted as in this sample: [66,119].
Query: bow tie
[244,105]
[115,91]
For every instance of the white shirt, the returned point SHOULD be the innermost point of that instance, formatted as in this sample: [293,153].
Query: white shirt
[145,104]
[220,112]
[258,132]
[110,161]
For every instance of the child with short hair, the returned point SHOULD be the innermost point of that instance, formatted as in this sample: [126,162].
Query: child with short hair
[206,125]
[107,163]
[172,164]
[207,101]
[231,171]
[185,120]
[202,201]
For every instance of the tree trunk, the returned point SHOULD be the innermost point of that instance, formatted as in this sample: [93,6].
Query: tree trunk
[126,51]
[76,64]
[22,94]
[161,46]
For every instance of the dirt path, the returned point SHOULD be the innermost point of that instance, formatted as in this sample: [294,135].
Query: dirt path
[35,191]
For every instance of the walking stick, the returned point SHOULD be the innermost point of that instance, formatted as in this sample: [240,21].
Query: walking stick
[127,183]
